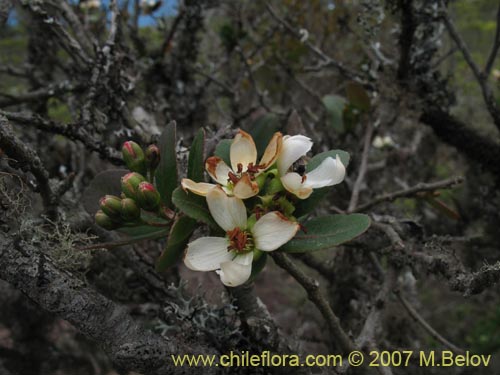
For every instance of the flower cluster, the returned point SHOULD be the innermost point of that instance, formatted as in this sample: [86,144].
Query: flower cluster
[251,201]
[253,226]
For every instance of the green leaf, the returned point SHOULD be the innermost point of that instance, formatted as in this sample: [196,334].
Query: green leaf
[327,232]
[262,130]
[305,206]
[177,241]
[318,158]
[335,105]
[106,182]
[166,173]
[144,232]
[196,160]
[222,150]
[194,206]
[357,96]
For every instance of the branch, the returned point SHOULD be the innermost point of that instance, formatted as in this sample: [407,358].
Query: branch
[476,147]
[312,288]
[477,282]
[420,320]
[362,168]
[494,48]
[129,346]
[481,78]
[29,159]
[75,132]
[411,192]
[326,60]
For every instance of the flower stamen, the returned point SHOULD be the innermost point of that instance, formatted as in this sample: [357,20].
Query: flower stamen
[239,240]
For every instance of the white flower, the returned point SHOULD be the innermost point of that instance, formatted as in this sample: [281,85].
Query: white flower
[90,4]
[231,256]
[330,172]
[381,142]
[239,179]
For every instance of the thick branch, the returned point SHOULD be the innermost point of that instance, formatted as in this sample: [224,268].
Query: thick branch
[129,346]
[475,146]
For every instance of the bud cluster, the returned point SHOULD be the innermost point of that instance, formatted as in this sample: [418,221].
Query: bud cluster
[137,192]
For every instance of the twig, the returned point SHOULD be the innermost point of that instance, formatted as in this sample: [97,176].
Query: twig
[420,320]
[411,192]
[494,48]
[362,168]
[75,132]
[481,77]
[312,288]
[326,60]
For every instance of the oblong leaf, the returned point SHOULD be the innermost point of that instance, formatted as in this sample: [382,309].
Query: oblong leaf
[222,150]
[335,105]
[327,232]
[177,241]
[166,173]
[262,130]
[193,205]
[357,96]
[196,160]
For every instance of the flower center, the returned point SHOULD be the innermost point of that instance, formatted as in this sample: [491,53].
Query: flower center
[251,171]
[240,241]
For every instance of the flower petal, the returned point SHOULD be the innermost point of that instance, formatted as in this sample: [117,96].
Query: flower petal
[245,188]
[273,230]
[293,183]
[242,151]
[217,169]
[330,172]
[272,151]
[237,271]
[228,212]
[200,188]
[293,149]
[207,253]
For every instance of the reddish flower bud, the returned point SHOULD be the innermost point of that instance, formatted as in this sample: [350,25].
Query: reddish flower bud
[104,221]
[152,156]
[111,206]
[130,184]
[147,196]
[133,156]
[130,210]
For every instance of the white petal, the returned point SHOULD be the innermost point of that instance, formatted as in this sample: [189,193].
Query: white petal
[228,212]
[245,188]
[273,230]
[292,150]
[217,169]
[330,172]
[237,271]
[293,183]
[272,151]
[242,151]
[200,188]
[207,253]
